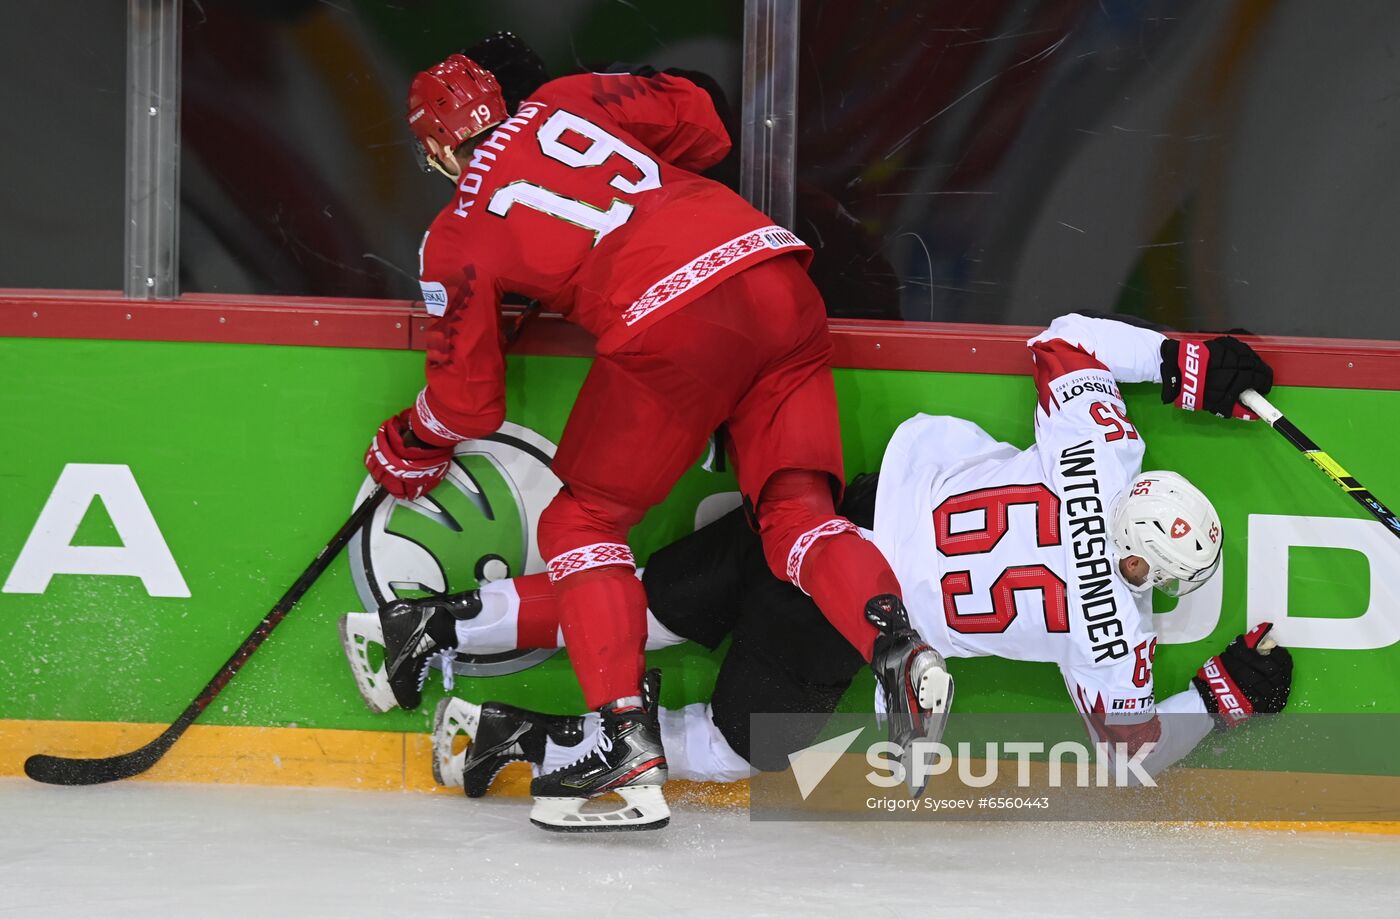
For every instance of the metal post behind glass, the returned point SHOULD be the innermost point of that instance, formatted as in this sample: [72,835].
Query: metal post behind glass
[153,149]
[768,146]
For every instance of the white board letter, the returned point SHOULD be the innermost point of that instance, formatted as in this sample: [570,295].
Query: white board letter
[49,551]
[1195,615]
[1270,537]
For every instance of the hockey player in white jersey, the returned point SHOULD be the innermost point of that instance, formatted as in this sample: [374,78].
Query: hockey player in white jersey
[1051,553]
[1046,554]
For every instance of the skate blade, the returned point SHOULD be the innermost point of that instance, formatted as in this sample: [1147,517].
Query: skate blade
[936,700]
[453,716]
[643,808]
[357,632]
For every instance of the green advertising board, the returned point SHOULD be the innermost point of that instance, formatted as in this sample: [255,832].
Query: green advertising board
[226,467]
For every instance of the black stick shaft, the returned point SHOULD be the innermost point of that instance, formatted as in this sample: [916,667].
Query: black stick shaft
[60,770]
[1321,459]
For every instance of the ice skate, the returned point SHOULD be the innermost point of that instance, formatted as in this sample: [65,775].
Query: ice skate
[358,633]
[628,760]
[413,633]
[499,735]
[914,679]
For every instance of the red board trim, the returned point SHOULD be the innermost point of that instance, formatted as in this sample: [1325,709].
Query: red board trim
[212,318]
[401,324]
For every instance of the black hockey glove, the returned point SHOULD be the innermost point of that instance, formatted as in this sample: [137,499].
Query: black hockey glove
[1251,675]
[1211,374]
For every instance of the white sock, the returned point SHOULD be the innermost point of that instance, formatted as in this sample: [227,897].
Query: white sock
[695,749]
[557,757]
[496,627]
[658,636]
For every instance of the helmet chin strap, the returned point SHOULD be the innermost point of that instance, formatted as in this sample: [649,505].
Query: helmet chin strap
[1145,587]
[442,168]
[434,161]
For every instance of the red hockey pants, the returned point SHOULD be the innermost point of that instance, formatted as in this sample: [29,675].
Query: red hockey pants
[752,354]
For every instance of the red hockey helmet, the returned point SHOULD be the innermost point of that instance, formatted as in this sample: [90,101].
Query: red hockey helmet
[454,101]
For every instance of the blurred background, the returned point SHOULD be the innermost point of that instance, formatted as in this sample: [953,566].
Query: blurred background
[1204,164]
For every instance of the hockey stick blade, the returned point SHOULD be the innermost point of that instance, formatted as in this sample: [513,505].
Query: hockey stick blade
[63,770]
[1321,459]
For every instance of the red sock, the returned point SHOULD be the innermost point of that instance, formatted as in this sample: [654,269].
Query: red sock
[806,543]
[842,573]
[537,619]
[603,612]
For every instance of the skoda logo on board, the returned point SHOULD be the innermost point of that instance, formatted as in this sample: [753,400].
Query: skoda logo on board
[475,527]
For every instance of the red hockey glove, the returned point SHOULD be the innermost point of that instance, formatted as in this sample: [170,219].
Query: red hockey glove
[405,471]
[1251,675]
[1211,374]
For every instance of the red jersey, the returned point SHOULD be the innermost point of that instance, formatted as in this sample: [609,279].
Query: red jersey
[588,201]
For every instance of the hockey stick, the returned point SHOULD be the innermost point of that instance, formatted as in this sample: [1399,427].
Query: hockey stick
[62,770]
[1345,480]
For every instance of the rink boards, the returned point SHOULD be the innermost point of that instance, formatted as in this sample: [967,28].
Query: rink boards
[207,474]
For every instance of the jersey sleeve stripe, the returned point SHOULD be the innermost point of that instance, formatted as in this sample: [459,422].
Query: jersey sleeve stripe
[1132,735]
[430,421]
[703,267]
[1056,358]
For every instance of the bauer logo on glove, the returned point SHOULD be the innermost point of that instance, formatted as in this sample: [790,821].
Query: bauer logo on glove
[1253,674]
[404,465]
[1211,374]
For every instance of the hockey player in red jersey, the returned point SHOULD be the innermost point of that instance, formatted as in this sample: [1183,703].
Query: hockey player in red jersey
[1084,533]
[588,200]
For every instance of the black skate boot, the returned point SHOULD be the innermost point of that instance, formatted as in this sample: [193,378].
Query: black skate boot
[917,687]
[500,735]
[628,759]
[412,632]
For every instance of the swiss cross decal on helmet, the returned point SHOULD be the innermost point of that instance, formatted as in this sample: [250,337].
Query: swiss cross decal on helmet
[1166,521]
[453,102]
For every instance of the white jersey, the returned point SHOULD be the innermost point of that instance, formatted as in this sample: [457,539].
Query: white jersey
[1006,552]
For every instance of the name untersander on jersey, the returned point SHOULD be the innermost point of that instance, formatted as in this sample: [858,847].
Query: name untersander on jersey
[1084,506]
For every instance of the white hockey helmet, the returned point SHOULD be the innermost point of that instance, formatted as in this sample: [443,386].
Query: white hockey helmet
[1168,522]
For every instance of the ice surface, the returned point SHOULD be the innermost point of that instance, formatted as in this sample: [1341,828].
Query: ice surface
[139,849]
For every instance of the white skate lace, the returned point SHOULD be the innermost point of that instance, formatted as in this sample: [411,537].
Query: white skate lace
[603,745]
[445,659]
